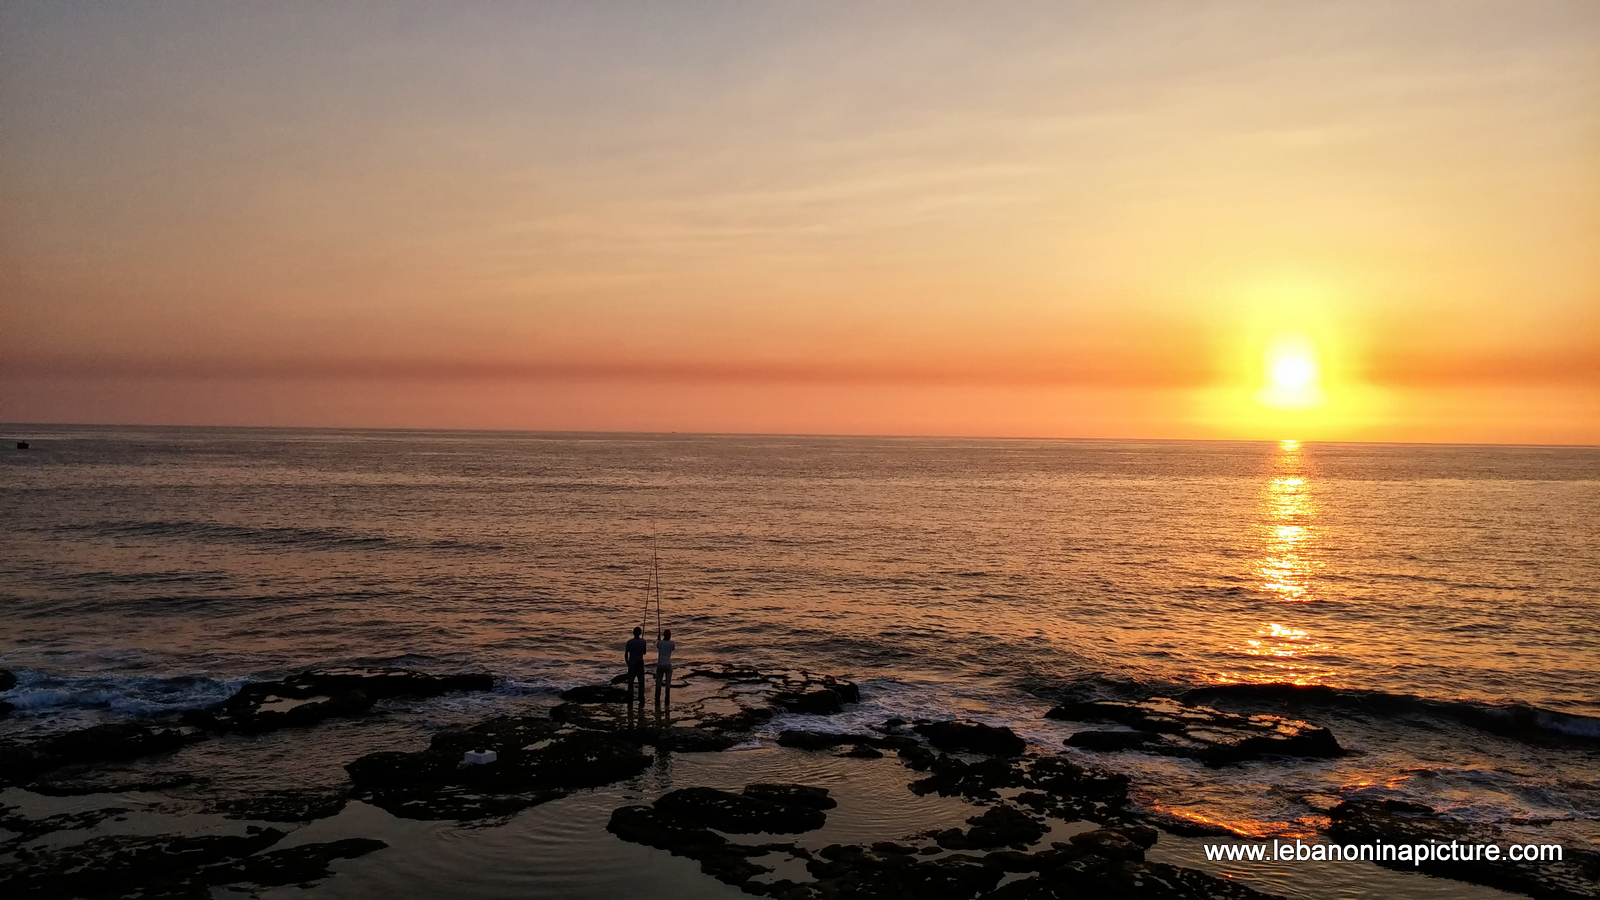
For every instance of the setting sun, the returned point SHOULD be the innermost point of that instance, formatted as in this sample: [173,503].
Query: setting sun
[1292,374]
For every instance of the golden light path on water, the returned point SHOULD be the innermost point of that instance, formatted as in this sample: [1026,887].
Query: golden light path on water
[1286,569]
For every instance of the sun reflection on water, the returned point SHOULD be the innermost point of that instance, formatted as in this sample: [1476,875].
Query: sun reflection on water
[1286,566]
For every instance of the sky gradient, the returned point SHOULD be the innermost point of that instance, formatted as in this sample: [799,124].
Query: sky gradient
[1075,220]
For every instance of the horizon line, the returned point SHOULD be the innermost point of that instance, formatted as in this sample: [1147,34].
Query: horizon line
[780,434]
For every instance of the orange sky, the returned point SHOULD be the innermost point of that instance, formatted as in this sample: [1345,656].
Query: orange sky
[1027,219]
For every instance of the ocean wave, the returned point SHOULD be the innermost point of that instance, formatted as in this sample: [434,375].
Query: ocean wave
[1515,720]
[287,537]
[39,693]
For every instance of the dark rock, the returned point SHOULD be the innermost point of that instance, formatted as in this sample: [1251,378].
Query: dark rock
[122,783]
[27,829]
[6,709]
[295,865]
[765,812]
[22,760]
[981,780]
[819,740]
[595,693]
[822,702]
[801,795]
[456,803]
[1109,843]
[957,735]
[282,806]
[718,857]
[1363,821]
[918,757]
[863,751]
[692,740]
[662,830]
[310,697]
[793,691]
[1110,740]
[537,759]
[1094,876]
[1000,826]
[1202,733]
[8,680]
[859,873]
[162,865]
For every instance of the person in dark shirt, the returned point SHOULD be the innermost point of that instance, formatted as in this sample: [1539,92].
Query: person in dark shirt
[633,653]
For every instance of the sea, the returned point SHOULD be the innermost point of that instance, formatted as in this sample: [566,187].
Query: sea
[1433,590]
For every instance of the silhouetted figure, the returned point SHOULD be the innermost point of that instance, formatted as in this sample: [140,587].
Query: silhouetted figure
[633,653]
[664,648]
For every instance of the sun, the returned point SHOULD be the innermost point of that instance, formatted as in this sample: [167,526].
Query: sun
[1293,376]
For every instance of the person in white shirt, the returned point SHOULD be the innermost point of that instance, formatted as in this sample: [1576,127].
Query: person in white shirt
[664,648]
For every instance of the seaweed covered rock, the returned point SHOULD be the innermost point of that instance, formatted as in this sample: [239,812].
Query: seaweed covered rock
[1365,821]
[24,759]
[972,737]
[537,760]
[310,697]
[1166,726]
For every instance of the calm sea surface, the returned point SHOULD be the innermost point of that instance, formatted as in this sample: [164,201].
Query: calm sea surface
[146,570]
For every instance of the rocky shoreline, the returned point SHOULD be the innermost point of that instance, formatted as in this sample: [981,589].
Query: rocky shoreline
[744,838]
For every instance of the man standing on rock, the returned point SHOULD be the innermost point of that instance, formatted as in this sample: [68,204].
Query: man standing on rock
[664,647]
[633,653]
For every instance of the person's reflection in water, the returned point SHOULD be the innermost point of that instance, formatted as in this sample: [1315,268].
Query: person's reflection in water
[664,648]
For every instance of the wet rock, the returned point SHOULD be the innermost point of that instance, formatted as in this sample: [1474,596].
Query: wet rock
[1202,733]
[1054,786]
[819,740]
[720,858]
[795,691]
[538,758]
[1000,826]
[1110,741]
[596,693]
[456,803]
[821,702]
[860,873]
[653,827]
[22,760]
[862,751]
[6,709]
[972,737]
[7,680]
[26,829]
[310,697]
[295,865]
[129,865]
[282,806]
[767,811]
[692,740]
[801,795]
[1098,877]
[115,783]
[1110,843]
[1365,821]
[981,780]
